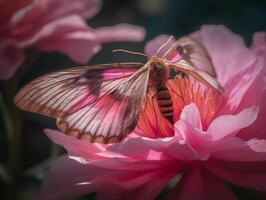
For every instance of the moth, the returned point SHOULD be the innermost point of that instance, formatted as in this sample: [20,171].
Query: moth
[103,103]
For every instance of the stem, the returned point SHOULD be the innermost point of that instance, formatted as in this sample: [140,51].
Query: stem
[13,124]
[12,120]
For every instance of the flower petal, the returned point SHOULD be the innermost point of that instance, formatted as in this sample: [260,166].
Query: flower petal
[199,184]
[46,11]
[75,147]
[11,57]
[153,45]
[259,44]
[226,125]
[235,149]
[191,140]
[120,32]
[67,179]
[256,93]
[246,174]
[191,114]
[227,50]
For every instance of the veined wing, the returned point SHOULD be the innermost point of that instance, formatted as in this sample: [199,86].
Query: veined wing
[100,103]
[198,74]
[112,114]
[193,52]
[54,94]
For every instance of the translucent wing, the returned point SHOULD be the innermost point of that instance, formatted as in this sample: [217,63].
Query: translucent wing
[110,116]
[53,94]
[193,52]
[105,98]
[198,74]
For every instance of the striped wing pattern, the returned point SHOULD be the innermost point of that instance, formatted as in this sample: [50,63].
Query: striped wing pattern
[193,52]
[101,103]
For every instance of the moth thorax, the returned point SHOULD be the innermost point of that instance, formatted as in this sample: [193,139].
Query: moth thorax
[159,74]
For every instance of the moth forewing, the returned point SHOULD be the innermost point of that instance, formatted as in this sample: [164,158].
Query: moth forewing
[115,113]
[193,52]
[101,103]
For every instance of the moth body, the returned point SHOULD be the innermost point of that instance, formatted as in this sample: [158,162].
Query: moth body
[160,73]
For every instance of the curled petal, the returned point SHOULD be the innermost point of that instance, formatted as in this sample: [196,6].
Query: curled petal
[226,125]
[120,32]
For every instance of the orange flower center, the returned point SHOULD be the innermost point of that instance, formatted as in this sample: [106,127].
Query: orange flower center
[183,91]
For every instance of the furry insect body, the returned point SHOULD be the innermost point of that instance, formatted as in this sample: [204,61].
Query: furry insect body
[159,75]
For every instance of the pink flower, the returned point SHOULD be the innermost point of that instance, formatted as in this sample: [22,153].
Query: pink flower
[54,25]
[218,140]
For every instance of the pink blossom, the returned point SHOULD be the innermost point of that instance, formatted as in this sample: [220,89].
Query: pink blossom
[54,25]
[218,140]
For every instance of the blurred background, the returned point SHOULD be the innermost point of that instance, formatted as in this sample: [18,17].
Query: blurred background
[34,152]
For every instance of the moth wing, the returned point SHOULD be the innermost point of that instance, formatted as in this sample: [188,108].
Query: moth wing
[110,116]
[54,94]
[192,52]
[198,74]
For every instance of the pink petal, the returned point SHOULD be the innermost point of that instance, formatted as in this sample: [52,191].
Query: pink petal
[237,67]
[120,32]
[75,147]
[117,156]
[153,45]
[235,149]
[239,90]
[227,50]
[246,174]
[69,36]
[226,125]
[80,46]
[61,26]
[256,94]
[11,57]
[146,191]
[192,147]
[46,11]
[199,184]
[191,114]
[68,178]
[259,44]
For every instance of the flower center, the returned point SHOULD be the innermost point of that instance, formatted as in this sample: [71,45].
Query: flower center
[183,91]
[186,91]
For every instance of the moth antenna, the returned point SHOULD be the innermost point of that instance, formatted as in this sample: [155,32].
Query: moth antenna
[169,39]
[130,52]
